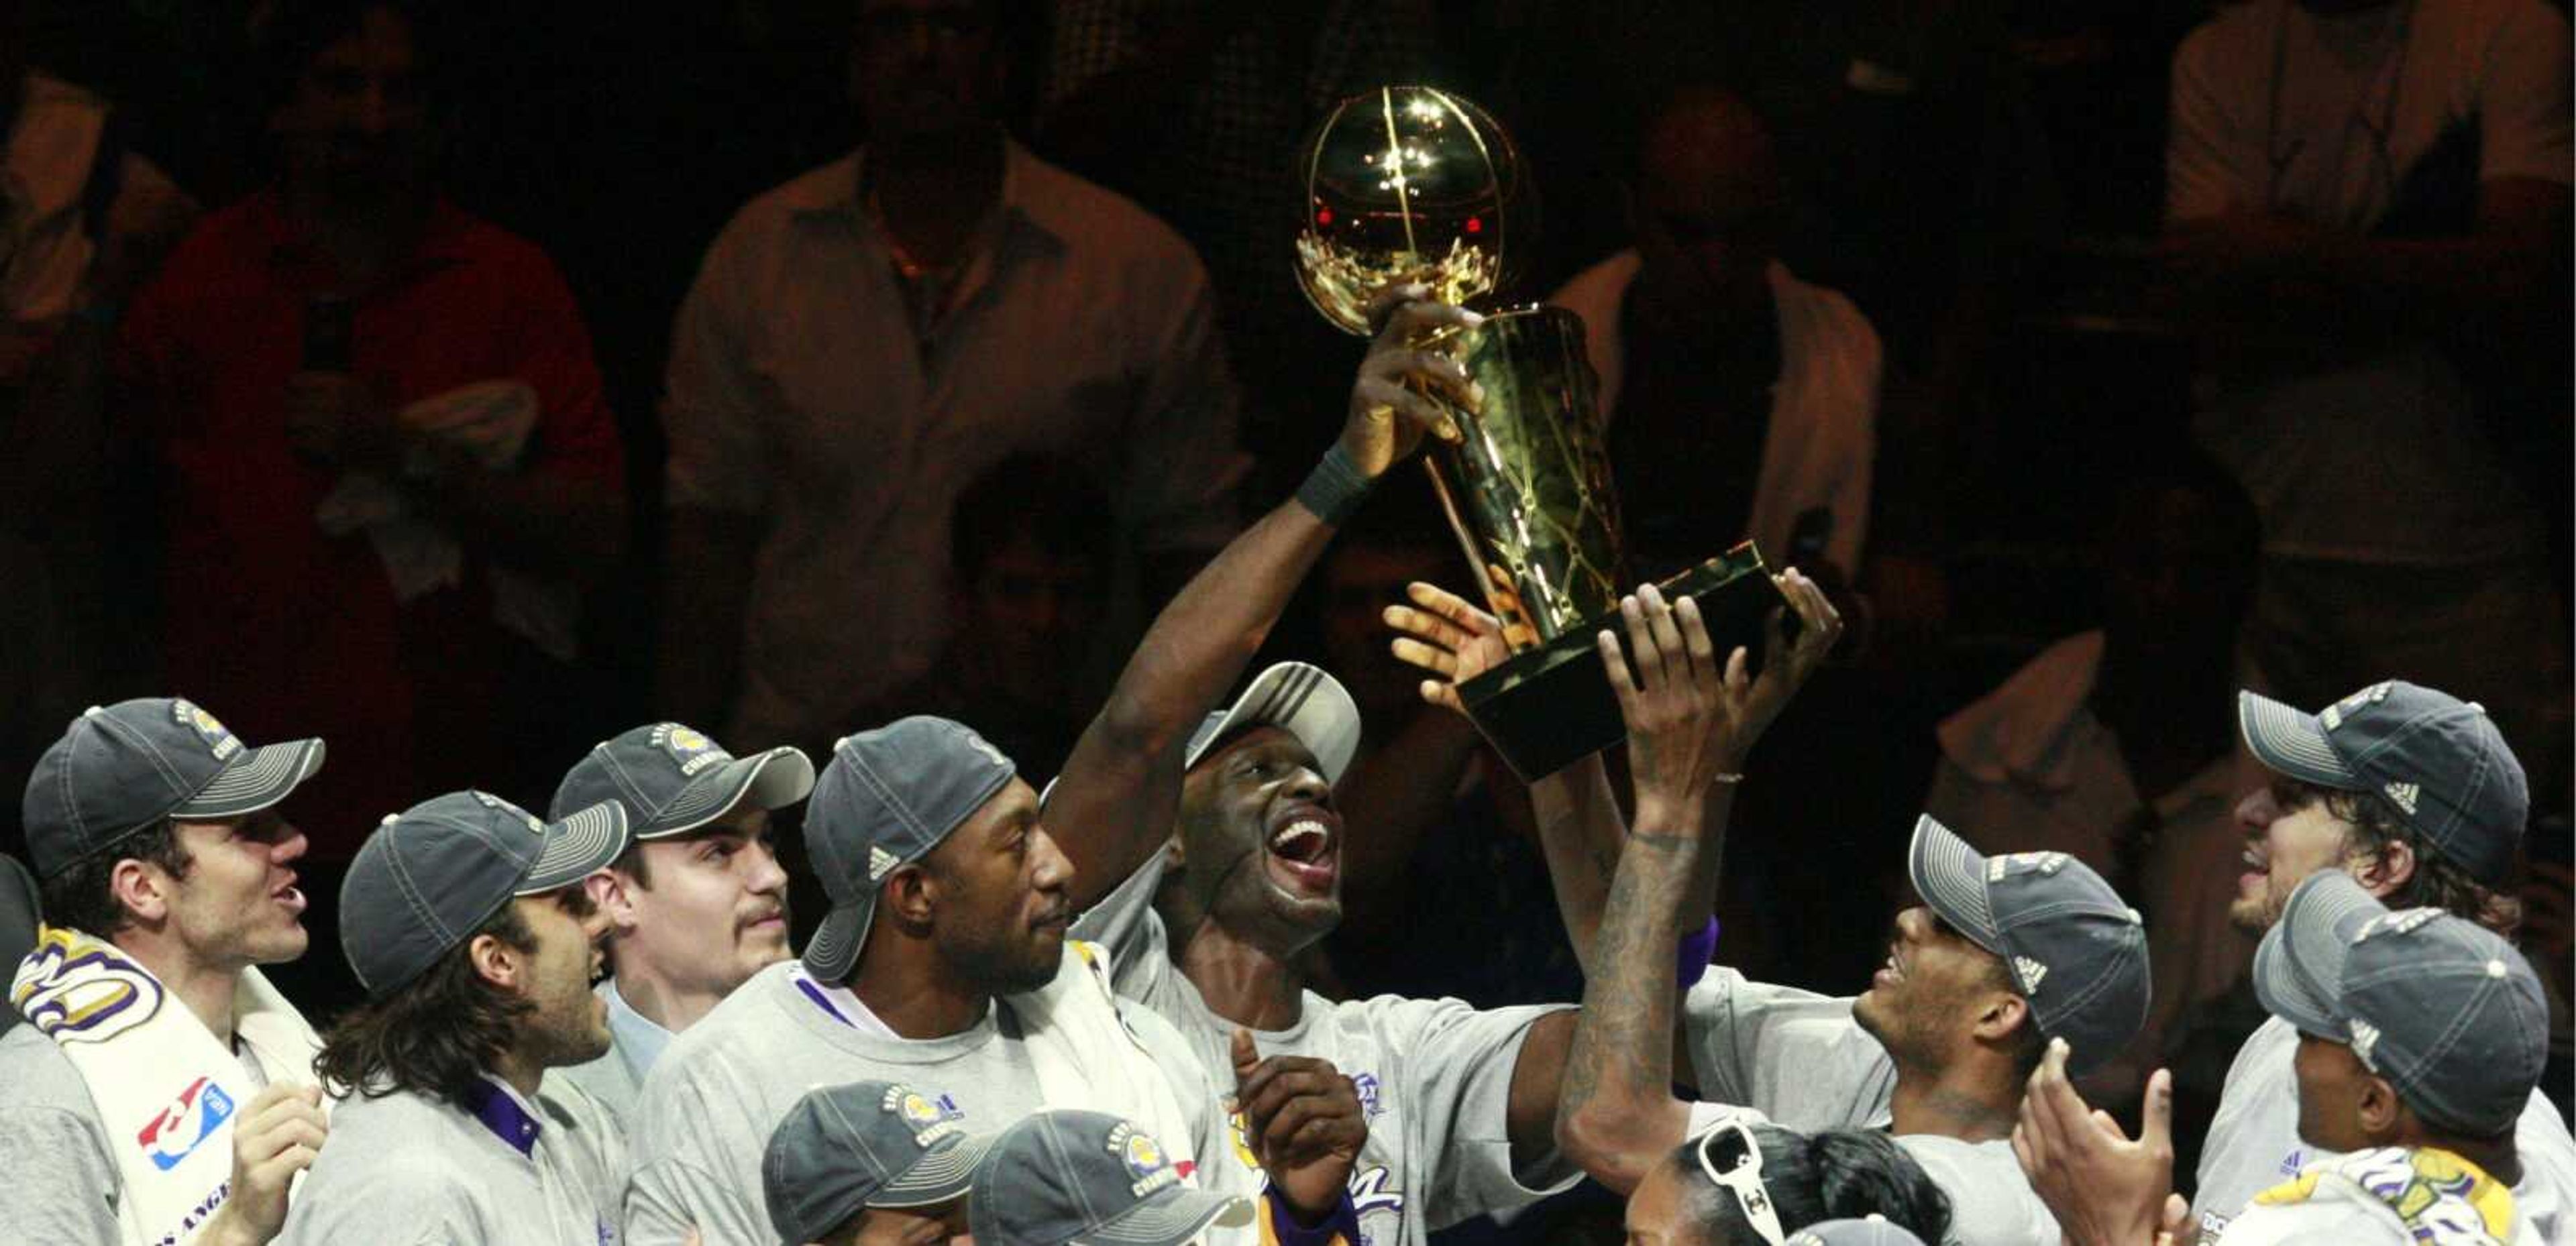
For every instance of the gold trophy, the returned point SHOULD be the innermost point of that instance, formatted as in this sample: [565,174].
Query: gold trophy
[1414,184]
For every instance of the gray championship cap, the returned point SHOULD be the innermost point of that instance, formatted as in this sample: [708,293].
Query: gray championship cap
[2435,759]
[2076,950]
[886,799]
[2440,1006]
[120,769]
[844,1149]
[1299,699]
[1873,1231]
[429,876]
[1068,1175]
[673,779]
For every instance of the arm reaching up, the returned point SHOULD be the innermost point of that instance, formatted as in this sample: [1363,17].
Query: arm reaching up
[1121,787]
[1690,724]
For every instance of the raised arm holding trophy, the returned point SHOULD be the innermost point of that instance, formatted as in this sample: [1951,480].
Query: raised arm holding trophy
[1414,184]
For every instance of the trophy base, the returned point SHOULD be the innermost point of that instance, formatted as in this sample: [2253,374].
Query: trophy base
[1551,706]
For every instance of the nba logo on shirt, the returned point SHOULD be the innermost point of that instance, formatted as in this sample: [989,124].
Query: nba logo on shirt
[185,1124]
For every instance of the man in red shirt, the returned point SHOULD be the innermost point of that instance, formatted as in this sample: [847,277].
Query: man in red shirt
[390,465]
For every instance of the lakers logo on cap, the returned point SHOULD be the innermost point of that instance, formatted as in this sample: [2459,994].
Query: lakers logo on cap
[219,739]
[689,747]
[1143,1157]
[505,808]
[983,748]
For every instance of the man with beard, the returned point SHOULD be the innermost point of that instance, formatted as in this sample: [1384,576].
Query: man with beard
[471,925]
[697,904]
[2415,794]
[168,874]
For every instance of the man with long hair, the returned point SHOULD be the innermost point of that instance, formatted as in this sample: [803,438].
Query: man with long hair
[467,920]
[168,876]
[2413,793]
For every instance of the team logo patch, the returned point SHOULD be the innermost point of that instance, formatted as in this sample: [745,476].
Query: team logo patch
[2403,921]
[690,748]
[185,1125]
[505,808]
[1144,1159]
[929,1121]
[1369,1089]
[984,748]
[219,739]
[76,989]
[2000,868]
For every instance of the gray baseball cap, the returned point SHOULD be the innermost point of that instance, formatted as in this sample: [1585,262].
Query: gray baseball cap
[2435,759]
[1873,1231]
[2076,950]
[1302,700]
[120,769]
[1068,1175]
[886,799]
[674,779]
[844,1149]
[429,876]
[2442,1007]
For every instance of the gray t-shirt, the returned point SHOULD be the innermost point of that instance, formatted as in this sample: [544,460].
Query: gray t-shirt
[414,1170]
[1434,1076]
[1800,1059]
[712,1100]
[2253,1142]
[62,1183]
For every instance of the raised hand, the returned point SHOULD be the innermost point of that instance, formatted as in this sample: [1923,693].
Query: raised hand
[2104,1189]
[1391,408]
[274,1138]
[1672,700]
[1749,708]
[1302,1119]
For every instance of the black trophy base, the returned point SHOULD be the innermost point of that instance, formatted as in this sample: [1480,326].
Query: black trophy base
[1551,706]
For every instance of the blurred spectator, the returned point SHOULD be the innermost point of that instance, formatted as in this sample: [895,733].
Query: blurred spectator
[2365,199]
[2118,747]
[865,340]
[1741,400]
[389,466]
[1028,588]
[1196,109]
[83,220]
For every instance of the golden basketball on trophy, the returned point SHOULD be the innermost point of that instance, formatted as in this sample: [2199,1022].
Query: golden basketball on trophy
[1415,184]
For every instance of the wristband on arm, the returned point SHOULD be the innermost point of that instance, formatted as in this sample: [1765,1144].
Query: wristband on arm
[1340,1227]
[1335,488]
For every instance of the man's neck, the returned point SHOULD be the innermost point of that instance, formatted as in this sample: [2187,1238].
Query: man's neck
[522,1070]
[207,989]
[1959,1102]
[931,197]
[660,1000]
[914,995]
[1242,981]
[2495,1155]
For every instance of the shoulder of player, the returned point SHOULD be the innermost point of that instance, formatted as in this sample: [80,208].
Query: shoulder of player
[34,1073]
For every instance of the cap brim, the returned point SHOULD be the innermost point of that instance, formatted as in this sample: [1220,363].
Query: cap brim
[577,847]
[943,1174]
[256,779]
[1305,701]
[2298,968]
[2292,742]
[771,780]
[1951,877]
[834,949]
[1171,1216]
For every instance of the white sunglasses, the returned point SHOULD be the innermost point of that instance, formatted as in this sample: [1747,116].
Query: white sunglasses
[1733,1159]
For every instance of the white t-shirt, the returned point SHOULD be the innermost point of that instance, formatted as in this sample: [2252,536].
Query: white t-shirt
[1434,1076]
[1802,1061]
[2253,1142]
[2372,456]
[710,1103]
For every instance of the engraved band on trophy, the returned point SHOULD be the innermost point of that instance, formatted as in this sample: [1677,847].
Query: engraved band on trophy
[1415,184]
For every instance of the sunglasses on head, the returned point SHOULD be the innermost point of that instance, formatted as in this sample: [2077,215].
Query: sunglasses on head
[1732,1158]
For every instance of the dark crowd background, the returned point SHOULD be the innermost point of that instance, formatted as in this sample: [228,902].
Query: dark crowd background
[2049,547]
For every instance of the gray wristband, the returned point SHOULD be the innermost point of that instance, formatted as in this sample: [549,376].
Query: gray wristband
[1335,488]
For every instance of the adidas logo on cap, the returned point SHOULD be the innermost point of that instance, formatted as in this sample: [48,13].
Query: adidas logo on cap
[880,863]
[2031,972]
[2404,794]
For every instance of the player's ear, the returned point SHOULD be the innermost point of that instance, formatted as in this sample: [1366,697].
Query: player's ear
[909,895]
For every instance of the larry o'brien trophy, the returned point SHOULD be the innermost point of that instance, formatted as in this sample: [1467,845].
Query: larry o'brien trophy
[1413,184]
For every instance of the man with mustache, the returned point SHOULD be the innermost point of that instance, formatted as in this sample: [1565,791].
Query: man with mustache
[168,875]
[697,904]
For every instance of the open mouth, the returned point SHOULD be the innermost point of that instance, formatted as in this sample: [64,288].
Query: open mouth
[2258,868]
[289,897]
[1304,849]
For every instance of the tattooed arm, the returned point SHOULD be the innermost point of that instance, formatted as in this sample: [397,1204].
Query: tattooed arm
[1690,723]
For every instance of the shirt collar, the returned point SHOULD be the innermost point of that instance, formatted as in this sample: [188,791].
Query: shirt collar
[637,1039]
[833,190]
[499,1108]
